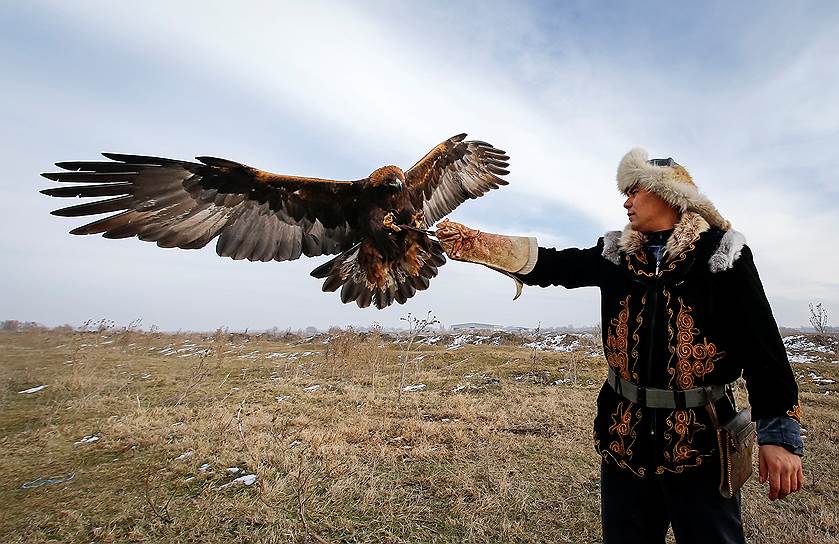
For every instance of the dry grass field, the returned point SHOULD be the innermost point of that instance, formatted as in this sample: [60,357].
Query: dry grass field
[150,437]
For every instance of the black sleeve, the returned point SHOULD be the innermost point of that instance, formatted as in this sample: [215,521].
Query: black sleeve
[757,344]
[567,267]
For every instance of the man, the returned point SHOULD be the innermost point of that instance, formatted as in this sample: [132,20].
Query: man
[683,313]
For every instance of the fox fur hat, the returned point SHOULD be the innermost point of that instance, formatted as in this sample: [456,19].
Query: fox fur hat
[669,181]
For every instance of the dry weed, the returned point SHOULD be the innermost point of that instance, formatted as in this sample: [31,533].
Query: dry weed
[496,448]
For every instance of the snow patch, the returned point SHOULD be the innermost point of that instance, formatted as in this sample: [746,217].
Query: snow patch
[247,479]
[32,390]
[414,388]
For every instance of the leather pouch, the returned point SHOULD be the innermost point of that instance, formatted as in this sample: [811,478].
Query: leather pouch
[736,440]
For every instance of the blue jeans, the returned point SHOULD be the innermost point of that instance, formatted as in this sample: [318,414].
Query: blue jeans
[639,510]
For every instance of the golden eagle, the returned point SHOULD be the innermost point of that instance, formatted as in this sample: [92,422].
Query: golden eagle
[376,225]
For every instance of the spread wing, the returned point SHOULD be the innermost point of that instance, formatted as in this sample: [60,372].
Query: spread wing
[452,172]
[257,215]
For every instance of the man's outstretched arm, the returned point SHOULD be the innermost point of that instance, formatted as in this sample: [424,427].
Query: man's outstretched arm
[522,258]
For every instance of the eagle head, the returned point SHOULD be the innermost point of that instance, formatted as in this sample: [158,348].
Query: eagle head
[387,176]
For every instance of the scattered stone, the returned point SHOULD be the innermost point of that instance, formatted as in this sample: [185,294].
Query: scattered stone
[89,439]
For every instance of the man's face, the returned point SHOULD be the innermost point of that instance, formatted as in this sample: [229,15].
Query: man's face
[648,212]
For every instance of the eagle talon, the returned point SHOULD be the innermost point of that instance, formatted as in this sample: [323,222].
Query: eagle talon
[388,223]
[418,219]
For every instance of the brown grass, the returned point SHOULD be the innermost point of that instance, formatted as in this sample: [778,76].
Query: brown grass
[500,460]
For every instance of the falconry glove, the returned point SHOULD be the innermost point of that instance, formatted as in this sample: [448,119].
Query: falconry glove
[506,254]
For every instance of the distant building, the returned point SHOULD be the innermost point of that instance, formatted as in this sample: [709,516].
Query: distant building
[476,327]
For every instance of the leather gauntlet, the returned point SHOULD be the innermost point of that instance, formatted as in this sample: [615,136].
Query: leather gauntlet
[506,254]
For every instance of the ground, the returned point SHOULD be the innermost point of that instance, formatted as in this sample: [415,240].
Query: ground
[142,436]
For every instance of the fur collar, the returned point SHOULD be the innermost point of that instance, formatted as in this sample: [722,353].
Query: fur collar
[689,228]
[686,231]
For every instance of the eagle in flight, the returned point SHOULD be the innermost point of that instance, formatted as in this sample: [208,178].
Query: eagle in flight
[377,226]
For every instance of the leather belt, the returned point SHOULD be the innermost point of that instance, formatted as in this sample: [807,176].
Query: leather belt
[665,398]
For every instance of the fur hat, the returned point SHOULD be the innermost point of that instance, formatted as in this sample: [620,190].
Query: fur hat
[670,182]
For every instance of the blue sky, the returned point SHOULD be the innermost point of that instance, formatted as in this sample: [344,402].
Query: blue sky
[743,94]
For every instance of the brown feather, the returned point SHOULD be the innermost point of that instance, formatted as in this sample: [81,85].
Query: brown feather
[453,172]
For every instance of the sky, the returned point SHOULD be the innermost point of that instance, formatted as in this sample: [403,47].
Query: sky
[743,94]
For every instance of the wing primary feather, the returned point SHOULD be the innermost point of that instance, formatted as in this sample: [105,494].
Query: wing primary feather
[102,166]
[147,160]
[106,189]
[91,208]
[90,177]
[496,170]
[107,223]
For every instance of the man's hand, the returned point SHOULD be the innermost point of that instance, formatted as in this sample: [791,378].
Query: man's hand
[782,469]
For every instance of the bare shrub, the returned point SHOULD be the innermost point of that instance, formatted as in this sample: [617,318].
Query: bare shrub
[818,317]
[416,326]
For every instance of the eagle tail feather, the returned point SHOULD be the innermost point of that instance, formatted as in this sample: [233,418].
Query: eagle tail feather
[365,278]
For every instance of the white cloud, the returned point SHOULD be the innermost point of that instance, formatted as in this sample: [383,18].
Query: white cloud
[379,90]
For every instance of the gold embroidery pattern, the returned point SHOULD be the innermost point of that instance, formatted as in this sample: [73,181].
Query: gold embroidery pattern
[636,271]
[678,469]
[639,320]
[616,341]
[681,426]
[621,421]
[671,265]
[620,449]
[694,360]
[669,310]
[795,413]
[607,455]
